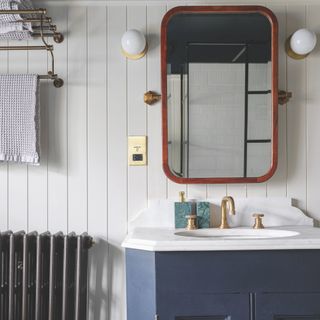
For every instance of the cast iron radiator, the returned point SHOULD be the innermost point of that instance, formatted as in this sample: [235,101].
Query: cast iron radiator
[43,277]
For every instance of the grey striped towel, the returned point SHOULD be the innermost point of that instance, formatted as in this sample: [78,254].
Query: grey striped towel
[19,118]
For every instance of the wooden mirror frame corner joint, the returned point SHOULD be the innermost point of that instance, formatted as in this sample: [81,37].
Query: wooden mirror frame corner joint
[275,94]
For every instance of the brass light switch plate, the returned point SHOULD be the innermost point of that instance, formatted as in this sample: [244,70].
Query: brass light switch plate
[137,150]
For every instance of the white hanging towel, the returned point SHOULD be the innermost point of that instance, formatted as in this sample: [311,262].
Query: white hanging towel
[20,118]
[10,27]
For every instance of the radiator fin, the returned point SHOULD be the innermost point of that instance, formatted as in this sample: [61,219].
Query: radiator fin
[43,276]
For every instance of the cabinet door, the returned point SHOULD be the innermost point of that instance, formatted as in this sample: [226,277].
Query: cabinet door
[288,306]
[203,307]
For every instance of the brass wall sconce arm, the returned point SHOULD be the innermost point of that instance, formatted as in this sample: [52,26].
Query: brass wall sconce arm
[151,97]
[284,96]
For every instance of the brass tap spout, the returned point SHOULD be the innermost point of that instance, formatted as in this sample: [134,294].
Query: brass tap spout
[230,202]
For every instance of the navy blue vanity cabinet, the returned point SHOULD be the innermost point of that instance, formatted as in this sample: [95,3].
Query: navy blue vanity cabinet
[288,306]
[223,285]
[204,306]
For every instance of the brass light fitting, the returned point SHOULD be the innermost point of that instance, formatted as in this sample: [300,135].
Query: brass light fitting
[135,56]
[226,201]
[291,53]
[151,97]
[300,44]
[133,44]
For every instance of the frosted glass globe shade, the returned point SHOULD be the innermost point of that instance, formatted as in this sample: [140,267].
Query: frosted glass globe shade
[303,41]
[133,42]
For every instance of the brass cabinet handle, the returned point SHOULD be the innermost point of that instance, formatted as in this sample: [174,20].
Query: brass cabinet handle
[258,221]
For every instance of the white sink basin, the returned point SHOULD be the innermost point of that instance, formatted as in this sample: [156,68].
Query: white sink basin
[237,233]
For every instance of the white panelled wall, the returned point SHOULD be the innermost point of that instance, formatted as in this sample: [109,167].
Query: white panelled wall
[84,183]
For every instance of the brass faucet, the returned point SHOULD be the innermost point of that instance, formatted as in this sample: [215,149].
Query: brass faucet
[230,202]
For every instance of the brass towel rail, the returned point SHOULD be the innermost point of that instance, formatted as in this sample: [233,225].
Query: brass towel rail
[22,48]
[31,11]
[43,29]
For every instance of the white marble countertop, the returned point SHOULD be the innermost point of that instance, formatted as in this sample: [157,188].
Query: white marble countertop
[165,239]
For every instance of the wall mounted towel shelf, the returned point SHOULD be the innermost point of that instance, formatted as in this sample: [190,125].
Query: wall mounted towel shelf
[43,29]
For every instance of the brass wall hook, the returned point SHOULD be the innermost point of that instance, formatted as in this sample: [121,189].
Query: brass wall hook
[151,97]
[284,96]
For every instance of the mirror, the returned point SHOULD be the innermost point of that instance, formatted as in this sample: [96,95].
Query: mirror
[220,94]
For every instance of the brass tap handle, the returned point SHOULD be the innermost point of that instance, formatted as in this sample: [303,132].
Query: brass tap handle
[258,221]
[191,222]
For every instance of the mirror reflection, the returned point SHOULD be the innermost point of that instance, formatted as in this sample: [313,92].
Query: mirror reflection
[219,95]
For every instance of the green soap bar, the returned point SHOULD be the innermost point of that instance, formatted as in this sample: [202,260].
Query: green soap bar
[203,215]
[181,210]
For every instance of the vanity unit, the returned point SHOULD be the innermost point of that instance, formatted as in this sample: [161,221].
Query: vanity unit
[244,272]
[171,277]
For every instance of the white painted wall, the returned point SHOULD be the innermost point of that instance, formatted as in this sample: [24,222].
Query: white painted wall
[84,183]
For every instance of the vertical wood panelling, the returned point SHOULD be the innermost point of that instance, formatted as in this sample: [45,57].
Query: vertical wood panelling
[3,166]
[137,114]
[296,115]
[174,188]
[157,181]
[77,119]
[117,160]
[276,186]
[237,190]
[97,120]
[216,191]
[197,191]
[257,190]
[58,133]
[84,182]
[18,174]
[313,117]
[97,160]
[37,175]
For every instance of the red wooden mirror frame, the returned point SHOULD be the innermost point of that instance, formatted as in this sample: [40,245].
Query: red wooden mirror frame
[274,90]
